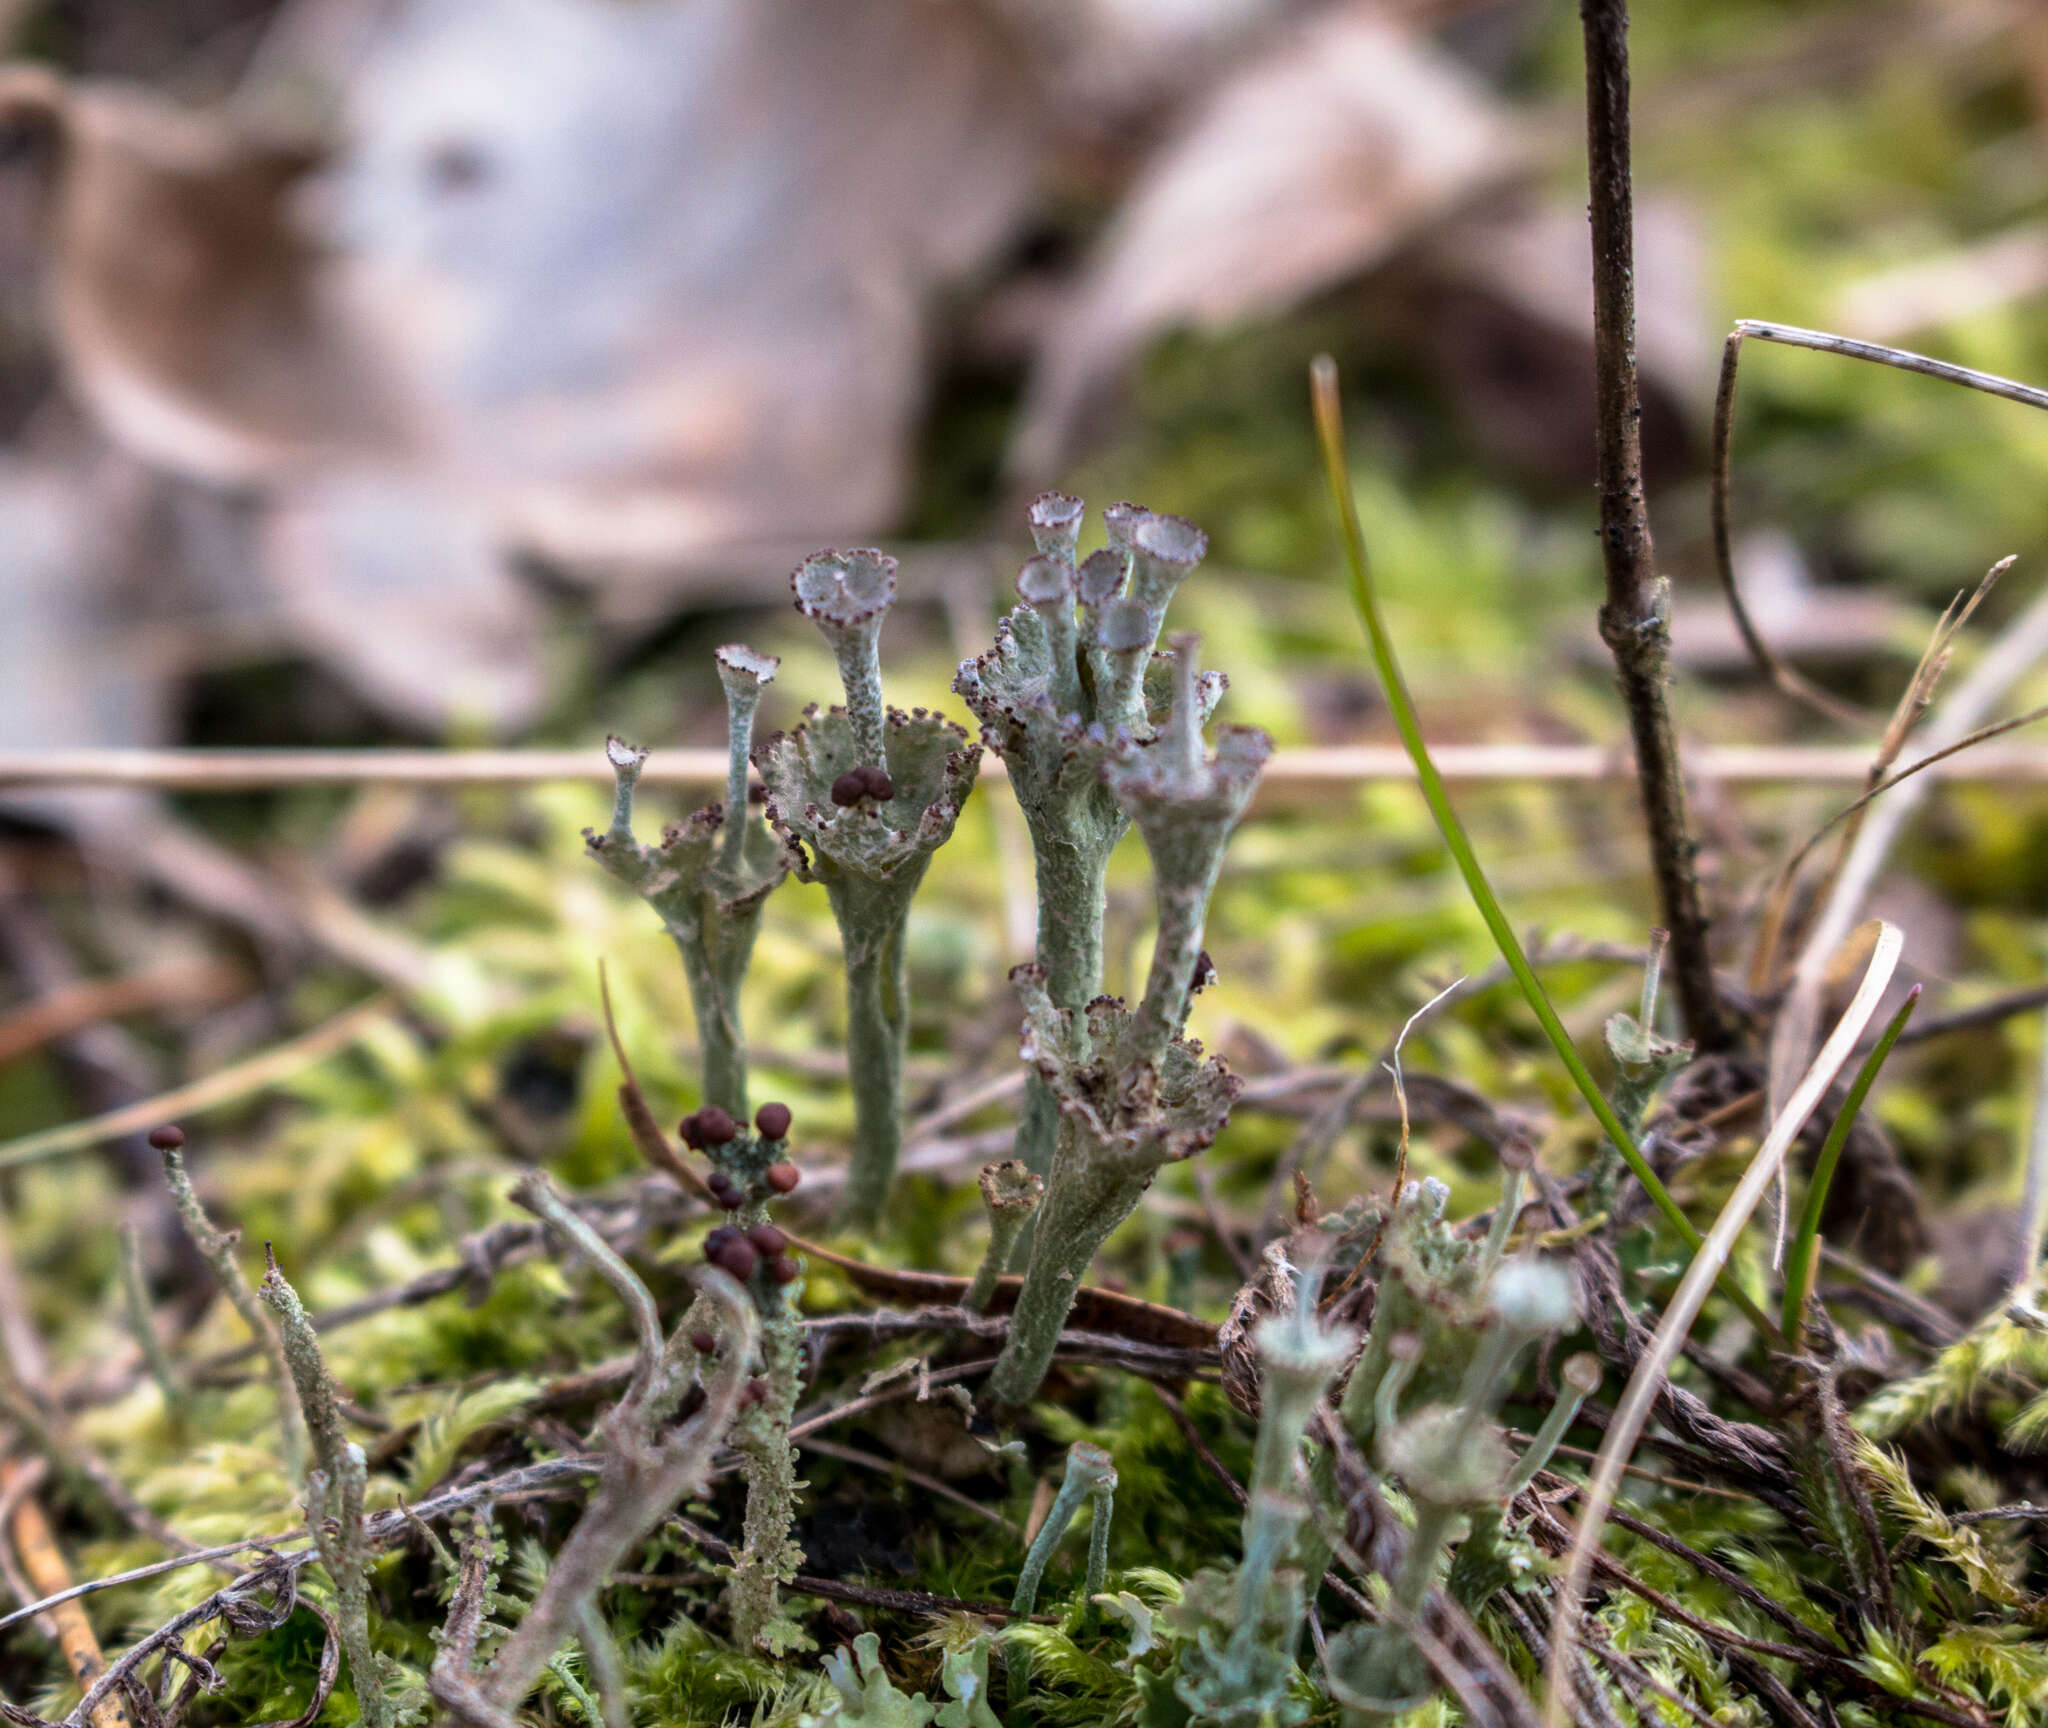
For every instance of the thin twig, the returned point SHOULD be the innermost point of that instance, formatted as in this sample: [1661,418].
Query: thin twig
[896,1467]
[1635,621]
[2033,1215]
[1780,674]
[1289,772]
[227,1085]
[1821,342]
[839,1590]
[1977,1016]
[218,1248]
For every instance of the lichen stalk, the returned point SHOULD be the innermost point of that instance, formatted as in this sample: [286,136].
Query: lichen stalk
[217,1248]
[877,1040]
[1298,1359]
[335,1490]
[1091,1473]
[1010,1194]
[708,879]
[1094,1188]
[864,818]
[141,1316]
[769,1559]
[1120,1123]
[1581,1375]
[1065,685]
[748,1169]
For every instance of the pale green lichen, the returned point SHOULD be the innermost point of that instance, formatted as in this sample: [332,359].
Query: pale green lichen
[708,879]
[1009,1195]
[335,1489]
[1070,677]
[1132,1094]
[753,1251]
[868,840]
[1237,1668]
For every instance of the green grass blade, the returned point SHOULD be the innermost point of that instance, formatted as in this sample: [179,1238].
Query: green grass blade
[1804,1259]
[1336,468]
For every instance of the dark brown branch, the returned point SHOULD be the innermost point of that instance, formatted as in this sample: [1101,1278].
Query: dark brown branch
[1635,618]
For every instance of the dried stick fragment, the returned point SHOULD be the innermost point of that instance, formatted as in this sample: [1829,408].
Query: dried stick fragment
[538,1194]
[2033,1215]
[256,1073]
[1635,619]
[44,1569]
[646,1469]
[217,1247]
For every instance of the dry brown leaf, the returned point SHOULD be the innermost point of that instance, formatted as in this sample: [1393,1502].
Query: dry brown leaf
[1342,142]
[189,313]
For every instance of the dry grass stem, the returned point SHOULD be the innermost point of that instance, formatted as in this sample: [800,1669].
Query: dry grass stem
[1633,1410]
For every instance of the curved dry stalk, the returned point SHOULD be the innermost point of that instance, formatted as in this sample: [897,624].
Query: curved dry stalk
[1904,359]
[1791,683]
[1907,712]
[2009,659]
[227,1085]
[1633,1411]
[1781,889]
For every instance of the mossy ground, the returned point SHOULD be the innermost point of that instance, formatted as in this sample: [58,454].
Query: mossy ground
[1335,919]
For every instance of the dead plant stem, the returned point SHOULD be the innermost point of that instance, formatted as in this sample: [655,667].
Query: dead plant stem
[1635,618]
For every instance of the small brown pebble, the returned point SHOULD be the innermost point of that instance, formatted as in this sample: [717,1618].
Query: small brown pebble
[877,783]
[168,1138]
[703,1343]
[715,1125]
[771,1121]
[850,788]
[783,1178]
[783,1270]
[768,1239]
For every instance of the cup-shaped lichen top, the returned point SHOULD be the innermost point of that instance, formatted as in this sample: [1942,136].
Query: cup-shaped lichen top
[719,849]
[1056,524]
[874,816]
[869,823]
[847,595]
[1185,800]
[1073,676]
